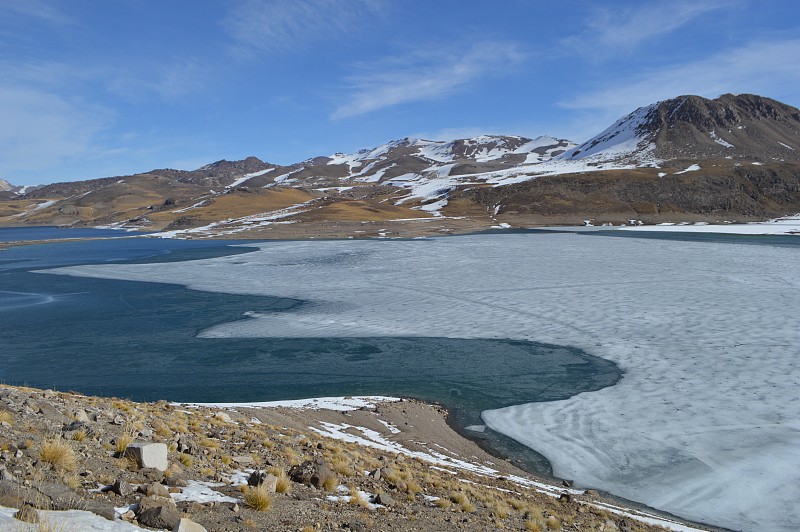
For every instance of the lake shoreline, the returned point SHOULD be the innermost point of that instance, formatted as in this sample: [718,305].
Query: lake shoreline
[398,434]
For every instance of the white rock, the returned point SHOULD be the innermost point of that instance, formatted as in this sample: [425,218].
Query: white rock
[153,455]
[187,525]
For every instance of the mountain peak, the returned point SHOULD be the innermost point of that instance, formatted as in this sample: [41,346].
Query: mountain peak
[690,126]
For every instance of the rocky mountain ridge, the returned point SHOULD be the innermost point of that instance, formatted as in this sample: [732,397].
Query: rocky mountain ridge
[685,158]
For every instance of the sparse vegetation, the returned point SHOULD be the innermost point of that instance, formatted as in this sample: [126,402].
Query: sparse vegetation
[258,498]
[58,453]
[398,479]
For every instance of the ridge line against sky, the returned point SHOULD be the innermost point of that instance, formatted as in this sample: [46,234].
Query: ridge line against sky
[93,89]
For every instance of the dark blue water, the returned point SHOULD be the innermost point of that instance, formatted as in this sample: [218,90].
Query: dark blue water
[13,234]
[138,340]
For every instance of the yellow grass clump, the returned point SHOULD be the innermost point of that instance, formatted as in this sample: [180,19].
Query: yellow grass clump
[258,498]
[58,453]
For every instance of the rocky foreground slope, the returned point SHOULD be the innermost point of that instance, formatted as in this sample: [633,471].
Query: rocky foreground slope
[735,158]
[165,466]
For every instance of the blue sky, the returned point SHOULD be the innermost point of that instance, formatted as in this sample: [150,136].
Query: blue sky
[93,88]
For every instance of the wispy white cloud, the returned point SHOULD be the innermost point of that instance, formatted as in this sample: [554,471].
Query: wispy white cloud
[270,26]
[43,10]
[423,74]
[610,30]
[41,130]
[168,81]
[766,68]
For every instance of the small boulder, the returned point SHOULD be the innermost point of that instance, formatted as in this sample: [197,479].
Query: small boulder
[224,417]
[262,478]
[156,490]
[99,507]
[187,525]
[385,499]
[122,488]
[148,455]
[312,473]
[243,460]
[159,517]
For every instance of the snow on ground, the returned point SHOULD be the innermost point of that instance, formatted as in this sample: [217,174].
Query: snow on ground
[624,137]
[201,203]
[340,404]
[245,177]
[704,423]
[779,226]
[34,208]
[202,492]
[721,142]
[66,520]
[690,168]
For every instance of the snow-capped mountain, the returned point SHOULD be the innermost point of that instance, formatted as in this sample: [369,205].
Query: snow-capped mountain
[691,127]
[735,154]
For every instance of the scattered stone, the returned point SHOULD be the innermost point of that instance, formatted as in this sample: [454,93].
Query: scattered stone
[311,473]
[5,475]
[156,490]
[128,516]
[60,496]
[262,478]
[222,416]
[27,514]
[154,502]
[243,460]
[566,483]
[148,455]
[81,416]
[624,526]
[187,525]
[384,499]
[122,488]
[376,474]
[159,517]
[565,497]
[51,412]
[150,474]
[76,426]
[100,507]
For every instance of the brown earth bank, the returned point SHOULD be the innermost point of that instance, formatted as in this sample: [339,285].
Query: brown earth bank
[283,468]
[720,190]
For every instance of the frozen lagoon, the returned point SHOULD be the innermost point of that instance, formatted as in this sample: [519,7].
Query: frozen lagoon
[705,422]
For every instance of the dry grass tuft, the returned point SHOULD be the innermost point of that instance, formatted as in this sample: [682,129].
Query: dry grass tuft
[458,497]
[185,459]
[58,453]
[553,523]
[79,435]
[6,417]
[330,484]
[357,499]
[534,525]
[259,499]
[284,485]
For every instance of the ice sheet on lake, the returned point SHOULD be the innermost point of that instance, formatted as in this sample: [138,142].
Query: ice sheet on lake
[705,422]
